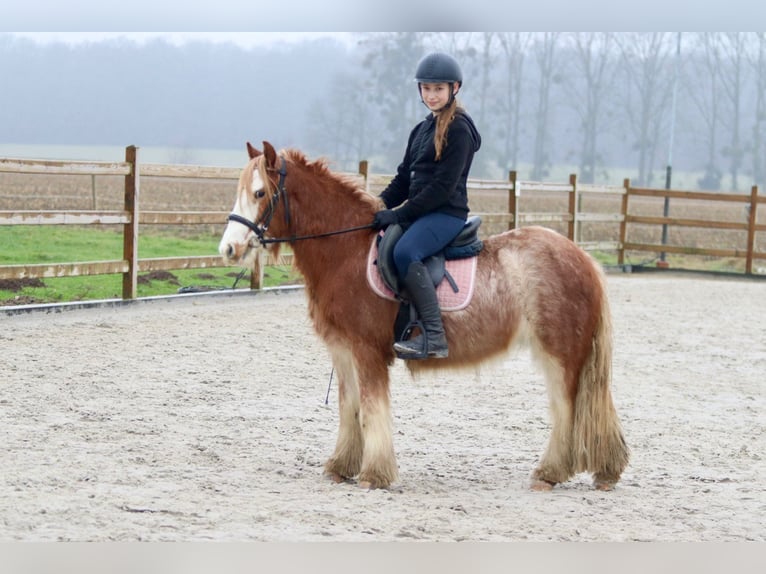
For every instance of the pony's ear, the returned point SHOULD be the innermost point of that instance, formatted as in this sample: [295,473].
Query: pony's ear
[251,151]
[270,153]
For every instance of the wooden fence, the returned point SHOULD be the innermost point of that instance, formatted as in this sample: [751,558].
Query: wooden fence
[575,217]
[131,217]
[749,227]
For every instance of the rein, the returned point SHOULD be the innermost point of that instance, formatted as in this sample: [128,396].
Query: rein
[261,226]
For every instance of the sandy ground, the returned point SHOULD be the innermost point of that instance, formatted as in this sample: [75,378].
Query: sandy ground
[204,418]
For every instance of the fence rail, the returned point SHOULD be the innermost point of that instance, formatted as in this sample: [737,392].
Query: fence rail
[751,200]
[131,217]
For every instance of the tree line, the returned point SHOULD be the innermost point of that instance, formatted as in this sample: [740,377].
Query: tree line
[595,102]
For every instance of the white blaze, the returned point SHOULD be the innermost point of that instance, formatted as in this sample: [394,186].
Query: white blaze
[235,242]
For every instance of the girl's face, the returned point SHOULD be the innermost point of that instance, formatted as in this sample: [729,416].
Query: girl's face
[436,96]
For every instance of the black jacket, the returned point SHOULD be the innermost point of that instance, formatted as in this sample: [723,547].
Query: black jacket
[429,185]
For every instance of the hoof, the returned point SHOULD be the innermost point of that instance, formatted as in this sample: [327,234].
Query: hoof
[539,485]
[335,477]
[367,485]
[603,486]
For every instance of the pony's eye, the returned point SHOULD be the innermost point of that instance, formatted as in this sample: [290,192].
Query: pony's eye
[259,194]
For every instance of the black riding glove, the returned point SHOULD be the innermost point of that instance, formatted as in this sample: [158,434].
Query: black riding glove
[384,218]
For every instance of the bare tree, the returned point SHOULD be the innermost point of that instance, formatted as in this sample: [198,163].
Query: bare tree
[479,91]
[487,66]
[514,46]
[645,63]
[479,88]
[389,64]
[544,49]
[339,124]
[703,89]
[732,80]
[593,67]
[758,61]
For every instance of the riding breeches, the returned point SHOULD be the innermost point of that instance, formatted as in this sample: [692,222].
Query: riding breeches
[424,237]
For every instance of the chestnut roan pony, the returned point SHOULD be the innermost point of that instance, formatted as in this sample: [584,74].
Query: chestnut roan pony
[532,285]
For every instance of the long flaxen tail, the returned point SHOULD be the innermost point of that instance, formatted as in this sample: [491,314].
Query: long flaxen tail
[598,442]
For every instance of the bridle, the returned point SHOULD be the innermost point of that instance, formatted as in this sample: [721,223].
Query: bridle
[261,226]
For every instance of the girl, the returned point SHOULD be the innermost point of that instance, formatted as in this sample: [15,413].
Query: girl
[432,179]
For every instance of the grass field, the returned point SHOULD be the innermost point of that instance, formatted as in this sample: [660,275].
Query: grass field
[61,244]
[58,244]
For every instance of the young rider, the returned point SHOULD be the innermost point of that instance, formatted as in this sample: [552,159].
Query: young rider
[428,194]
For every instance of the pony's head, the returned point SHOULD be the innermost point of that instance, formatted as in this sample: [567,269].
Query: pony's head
[320,204]
[255,193]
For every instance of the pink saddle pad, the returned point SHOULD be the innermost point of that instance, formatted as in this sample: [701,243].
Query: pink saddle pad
[463,271]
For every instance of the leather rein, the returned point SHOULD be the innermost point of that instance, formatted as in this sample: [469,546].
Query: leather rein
[261,226]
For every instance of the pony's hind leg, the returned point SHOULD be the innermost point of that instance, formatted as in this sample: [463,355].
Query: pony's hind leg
[346,461]
[557,464]
[586,435]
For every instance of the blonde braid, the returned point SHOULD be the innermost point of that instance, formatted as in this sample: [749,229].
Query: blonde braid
[443,121]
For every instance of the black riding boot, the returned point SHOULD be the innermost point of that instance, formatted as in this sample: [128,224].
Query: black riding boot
[423,296]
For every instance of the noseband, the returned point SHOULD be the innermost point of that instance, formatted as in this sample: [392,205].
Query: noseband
[261,226]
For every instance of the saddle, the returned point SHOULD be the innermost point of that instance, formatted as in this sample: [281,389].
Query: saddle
[466,244]
[458,259]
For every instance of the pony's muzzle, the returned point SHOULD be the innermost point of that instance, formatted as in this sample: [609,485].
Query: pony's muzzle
[233,252]
[236,252]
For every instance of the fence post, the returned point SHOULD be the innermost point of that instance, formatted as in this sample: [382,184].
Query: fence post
[751,230]
[130,229]
[574,222]
[93,191]
[623,223]
[364,172]
[256,274]
[513,204]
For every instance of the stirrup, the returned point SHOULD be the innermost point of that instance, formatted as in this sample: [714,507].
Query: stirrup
[411,352]
[407,349]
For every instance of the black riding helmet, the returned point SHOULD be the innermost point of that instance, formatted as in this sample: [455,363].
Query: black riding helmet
[438,67]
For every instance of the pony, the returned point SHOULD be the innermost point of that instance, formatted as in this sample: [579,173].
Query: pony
[533,286]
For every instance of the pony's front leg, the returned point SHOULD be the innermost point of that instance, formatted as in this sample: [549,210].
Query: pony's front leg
[379,461]
[346,461]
